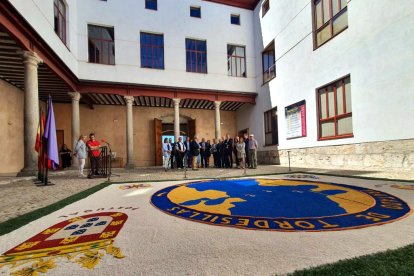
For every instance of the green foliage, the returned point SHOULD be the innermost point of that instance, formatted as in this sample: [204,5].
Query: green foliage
[391,262]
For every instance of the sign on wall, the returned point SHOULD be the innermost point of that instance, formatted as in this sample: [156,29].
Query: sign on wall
[296,120]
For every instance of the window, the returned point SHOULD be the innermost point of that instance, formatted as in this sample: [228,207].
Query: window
[101,45]
[195,12]
[151,4]
[270,122]
[330,18]
[235,19]
[236,61]
[60,19]
[152,51]
[196,54]
[265,7]
[335,110]
[268,61]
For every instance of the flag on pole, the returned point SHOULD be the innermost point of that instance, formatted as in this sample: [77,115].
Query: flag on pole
[40,130]
[50,137]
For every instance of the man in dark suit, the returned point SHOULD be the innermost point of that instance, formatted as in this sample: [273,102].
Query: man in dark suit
[173,152]
[246,142]
[180,152]
[187,152]
[229,151]
[194,151]
[223,151]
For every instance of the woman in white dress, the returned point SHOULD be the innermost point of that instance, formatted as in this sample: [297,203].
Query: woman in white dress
[166,153]
[80,153]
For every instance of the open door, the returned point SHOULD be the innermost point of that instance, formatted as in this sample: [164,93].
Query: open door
[191,128]
[158,141]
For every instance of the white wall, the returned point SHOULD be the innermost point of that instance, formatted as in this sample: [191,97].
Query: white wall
[173,20]
[40,15]
[377,51]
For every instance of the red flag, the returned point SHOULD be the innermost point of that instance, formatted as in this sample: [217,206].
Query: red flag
[40,129]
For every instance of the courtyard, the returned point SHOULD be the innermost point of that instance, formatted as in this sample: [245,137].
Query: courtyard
[153,240]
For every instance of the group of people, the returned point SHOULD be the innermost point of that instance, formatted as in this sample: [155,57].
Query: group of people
[194,154]
[83,149]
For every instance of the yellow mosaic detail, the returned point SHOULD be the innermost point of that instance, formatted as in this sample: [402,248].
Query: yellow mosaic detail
[26,245]
[75,219]
[68,240]
[50,231]
[105,235]
[117,222]
[116,215]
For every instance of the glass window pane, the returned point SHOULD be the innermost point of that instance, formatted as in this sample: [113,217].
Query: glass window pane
[235,19]
[331,102]
[348,95]
[240,51]
[323,35]
[335,7]
[322,105]
[105,58]
[243,67]
[188,62]
[326,11]
[345,126]
[112,54]
[265,62]
[327,129]
[339,98]
[233,67]
[201,45]
[340,23]
[94,32]
[231,50]
[343,3]
[229,66]
[61,6]
[318,14]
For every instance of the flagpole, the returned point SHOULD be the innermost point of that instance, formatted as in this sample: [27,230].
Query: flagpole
[46,154]
[39,153]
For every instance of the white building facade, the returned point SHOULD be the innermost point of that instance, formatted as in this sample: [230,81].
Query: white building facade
[371,50]
[329,81]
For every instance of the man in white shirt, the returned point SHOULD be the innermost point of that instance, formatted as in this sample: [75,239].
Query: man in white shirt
[253,151]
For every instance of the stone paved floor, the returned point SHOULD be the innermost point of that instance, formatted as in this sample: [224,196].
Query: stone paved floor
[20,195]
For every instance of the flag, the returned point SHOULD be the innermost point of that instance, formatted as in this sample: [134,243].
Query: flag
[40,129]
[50,137]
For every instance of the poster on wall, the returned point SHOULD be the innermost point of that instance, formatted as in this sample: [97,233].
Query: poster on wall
[296,120]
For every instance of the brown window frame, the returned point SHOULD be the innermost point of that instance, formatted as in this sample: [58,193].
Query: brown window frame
[272,128]
[272,68]
[230,63]
[198,68]
[61,17]
[335,117]
[101,41]
[330,21]
[265,7]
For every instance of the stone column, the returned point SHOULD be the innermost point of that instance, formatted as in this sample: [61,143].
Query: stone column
[31,110]
[217,119]
[176,119]
[129,132]
[75,123]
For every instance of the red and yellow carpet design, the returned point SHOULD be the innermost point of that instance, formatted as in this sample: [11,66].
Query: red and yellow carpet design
[83,240]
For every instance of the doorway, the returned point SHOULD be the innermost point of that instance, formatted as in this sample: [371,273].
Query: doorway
[165,129]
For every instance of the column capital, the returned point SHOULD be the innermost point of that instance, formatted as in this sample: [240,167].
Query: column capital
[217,104]
[30,57]
[176,101]
[129,99]
[76,96]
